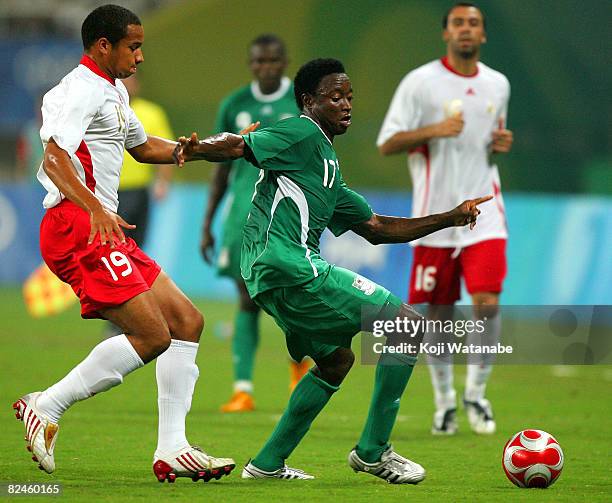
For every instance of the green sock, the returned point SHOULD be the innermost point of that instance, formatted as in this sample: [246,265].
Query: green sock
[392,375]
[244,344]
[307,400]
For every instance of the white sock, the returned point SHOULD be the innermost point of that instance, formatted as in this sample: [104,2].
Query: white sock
[445,396]
[243,385]
[106,366]
[479,372]
[441,372]
[177,374]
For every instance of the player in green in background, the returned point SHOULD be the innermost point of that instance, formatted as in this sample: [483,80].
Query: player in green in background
[300,192]
[267,99]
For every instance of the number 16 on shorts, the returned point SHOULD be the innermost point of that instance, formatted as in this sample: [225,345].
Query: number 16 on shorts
[425,278]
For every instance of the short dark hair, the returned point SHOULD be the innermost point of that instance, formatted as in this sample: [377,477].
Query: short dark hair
[310,75]
[107,21]
[269,39]
[463,4]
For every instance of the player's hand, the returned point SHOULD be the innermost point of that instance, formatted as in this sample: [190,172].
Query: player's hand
[467,212]
[207,246]
[452,126]
[250,128]
[185,149]
[502,139]
[108,225]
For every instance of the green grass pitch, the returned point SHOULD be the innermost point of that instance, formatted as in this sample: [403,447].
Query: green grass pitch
[104,451]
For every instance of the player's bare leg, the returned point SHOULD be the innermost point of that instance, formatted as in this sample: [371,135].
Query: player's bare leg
[478,408]
[441,373]
[177,373]
[244,347]
[108,363]
[308,399]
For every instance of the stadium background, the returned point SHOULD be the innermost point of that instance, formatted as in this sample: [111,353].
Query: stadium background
[556,182]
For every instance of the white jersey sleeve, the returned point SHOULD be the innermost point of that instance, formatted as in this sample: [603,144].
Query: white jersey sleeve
[67,113]
[405,111]
[136,133]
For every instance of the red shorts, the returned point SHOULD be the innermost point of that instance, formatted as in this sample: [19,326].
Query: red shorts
[101,276]
[436,272]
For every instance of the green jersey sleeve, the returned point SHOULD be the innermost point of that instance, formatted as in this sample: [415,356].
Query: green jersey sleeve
[282,147]
[351,209]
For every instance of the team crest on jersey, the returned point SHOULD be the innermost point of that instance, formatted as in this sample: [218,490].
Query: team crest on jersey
[365,285]
[243,119]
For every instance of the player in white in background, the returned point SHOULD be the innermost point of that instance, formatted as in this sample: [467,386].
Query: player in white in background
[449,115]
[87,123]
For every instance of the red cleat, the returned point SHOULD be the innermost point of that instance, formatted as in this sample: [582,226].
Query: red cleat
[41,433]
[191,462]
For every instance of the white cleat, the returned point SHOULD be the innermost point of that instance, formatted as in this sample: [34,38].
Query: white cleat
[392,467]
[41,433]
[190,462]
[480,416]
[250,471]
[444,422]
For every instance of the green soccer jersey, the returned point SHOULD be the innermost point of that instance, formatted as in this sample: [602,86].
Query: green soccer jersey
[299,192]
[246,105]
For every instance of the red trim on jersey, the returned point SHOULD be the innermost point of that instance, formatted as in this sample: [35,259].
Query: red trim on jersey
[424,150]
[447,65]
[85,157]
[93,66]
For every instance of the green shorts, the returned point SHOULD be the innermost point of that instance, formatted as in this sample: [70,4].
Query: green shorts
[325,313]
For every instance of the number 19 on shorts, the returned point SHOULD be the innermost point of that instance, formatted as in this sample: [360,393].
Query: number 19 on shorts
[120,264]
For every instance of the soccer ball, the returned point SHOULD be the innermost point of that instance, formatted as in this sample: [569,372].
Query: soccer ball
[532,458]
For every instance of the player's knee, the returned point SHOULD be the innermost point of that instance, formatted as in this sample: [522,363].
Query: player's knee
[486,305]
[192,326]
[335,367]
[159,343]
[348,359]
[247,304]
[409,312]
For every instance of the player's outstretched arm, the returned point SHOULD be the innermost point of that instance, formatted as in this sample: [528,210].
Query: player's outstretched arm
[155,150]
[217,148]
[61,171]
[381,229]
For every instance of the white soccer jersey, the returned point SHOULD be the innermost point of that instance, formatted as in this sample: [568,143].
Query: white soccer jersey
[446,171]
[89,116]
